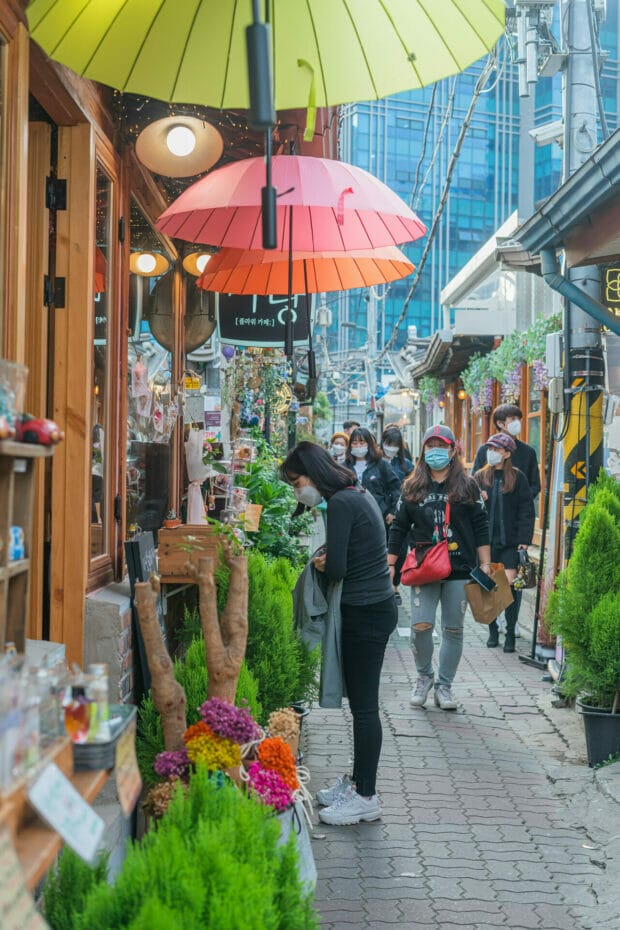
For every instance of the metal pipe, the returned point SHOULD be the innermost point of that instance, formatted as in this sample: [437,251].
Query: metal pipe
[557,281]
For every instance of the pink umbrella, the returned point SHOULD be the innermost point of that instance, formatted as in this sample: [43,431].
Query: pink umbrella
[332,207]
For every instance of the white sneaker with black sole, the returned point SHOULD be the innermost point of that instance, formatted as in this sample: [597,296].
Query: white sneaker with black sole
[444,698]
[327,796]
[349,808]
[421,691]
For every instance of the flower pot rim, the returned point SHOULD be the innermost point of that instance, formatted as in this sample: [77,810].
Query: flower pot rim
[586,708]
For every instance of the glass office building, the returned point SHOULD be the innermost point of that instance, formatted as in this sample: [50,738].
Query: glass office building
[407,141]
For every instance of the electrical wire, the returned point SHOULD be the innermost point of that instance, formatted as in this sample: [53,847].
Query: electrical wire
[595,47]
[427,124]
[480,83]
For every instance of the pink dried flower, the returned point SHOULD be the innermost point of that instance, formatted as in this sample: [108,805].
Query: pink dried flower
[269,787]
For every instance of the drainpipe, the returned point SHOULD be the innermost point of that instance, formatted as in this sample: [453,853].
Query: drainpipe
[557,281]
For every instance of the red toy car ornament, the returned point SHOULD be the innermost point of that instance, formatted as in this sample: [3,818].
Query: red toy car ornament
[38,431]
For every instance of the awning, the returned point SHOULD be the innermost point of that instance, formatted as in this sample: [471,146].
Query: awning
[447,355]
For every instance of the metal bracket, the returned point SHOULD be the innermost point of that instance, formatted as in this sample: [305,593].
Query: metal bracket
[56,193]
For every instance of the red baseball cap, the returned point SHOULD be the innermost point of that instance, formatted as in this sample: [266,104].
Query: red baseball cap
[440,432]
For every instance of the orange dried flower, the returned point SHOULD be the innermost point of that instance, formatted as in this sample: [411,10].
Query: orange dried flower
[196,731]
[275,754]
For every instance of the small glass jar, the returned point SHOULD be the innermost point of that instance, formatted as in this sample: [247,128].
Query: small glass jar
[98,693]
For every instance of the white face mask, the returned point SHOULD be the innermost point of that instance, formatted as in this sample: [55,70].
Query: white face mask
[493,457]
[514,427]
[359,452]
[307,494]
[338,452]
[391,451]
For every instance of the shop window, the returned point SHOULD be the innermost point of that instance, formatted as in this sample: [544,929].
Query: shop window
[2,178]
[100,400]
[151,410]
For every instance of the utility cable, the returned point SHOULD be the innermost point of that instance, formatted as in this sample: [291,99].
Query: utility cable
[480,83]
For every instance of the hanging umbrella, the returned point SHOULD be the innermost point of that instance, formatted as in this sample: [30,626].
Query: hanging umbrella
[324,205]
[235,271]
[325,52]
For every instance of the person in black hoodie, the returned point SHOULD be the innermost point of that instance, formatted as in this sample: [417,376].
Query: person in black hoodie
[374,472]
[439,477]
[507,419]
[510,506]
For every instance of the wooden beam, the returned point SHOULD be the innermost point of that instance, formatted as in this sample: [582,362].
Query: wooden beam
[14,195]
[73,369]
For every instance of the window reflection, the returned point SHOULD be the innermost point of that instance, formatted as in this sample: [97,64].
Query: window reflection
[99,387]
[152,409]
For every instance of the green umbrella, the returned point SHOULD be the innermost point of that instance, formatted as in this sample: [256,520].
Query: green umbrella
[325,52]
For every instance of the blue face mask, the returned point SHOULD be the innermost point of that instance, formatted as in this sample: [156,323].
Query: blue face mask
[437,458]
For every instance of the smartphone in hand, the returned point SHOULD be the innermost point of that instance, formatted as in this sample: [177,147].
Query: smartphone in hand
[483,580]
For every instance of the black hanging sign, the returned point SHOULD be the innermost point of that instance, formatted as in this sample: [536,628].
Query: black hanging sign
[247,320]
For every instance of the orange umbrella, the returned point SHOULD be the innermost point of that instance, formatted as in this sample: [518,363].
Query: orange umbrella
[256,271]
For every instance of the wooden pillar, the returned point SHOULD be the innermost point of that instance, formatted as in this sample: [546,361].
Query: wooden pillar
[36,343]
[72,381]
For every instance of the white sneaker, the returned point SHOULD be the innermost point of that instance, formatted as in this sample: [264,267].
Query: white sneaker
[327,796]
[349,807]
[517,631]
[444,698]
[420,693]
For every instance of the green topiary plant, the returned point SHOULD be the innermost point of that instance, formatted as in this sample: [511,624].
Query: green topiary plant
[282,665]
[212,864]
[68,885]
[581,607]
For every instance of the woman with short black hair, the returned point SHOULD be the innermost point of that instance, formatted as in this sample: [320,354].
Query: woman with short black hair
[355,554]
[374,472]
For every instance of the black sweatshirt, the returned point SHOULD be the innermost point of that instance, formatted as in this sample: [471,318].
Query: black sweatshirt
[355,547]
[468,530]
[511,515]
[524,458]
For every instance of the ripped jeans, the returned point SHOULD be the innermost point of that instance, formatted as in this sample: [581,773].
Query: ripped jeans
[424,602]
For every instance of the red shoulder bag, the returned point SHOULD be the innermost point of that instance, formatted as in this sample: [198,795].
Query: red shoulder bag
[427,562]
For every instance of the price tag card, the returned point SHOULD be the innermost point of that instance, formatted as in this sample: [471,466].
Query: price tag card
[128,778]
[53,797]
[17,910]
[252,517]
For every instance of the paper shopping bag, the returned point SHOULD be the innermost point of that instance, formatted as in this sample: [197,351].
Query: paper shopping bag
[486,606]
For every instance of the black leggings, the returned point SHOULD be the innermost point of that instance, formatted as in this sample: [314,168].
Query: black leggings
[366,629]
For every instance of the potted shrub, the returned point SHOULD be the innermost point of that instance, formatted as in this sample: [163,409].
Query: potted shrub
[584,609]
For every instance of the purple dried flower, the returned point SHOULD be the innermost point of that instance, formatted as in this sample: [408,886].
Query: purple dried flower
[228,721]
[511,388]
[540,375]
[172,764]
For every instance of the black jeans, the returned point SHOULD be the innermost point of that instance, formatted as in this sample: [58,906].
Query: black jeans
[366,629]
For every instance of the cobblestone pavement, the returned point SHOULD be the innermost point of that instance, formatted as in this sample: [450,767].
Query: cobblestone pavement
[491,818]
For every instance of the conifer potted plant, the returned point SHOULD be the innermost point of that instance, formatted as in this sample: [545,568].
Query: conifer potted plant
[584,609]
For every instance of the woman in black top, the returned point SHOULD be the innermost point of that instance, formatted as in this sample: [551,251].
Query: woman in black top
[439,477]
[373,472]
[508,500]
[356,555]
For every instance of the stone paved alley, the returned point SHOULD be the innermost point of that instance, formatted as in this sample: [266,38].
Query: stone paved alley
[491,817]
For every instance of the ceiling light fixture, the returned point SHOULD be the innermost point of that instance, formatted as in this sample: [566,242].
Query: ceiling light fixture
[179,146]
[196,262]
[148,264]
[181,141]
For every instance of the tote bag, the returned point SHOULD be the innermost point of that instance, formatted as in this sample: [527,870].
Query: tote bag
[486,606]
[426,562]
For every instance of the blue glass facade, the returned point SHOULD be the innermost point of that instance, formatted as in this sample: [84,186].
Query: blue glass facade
[387,138]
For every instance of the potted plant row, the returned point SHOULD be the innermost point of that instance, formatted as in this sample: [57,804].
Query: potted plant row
[584,609]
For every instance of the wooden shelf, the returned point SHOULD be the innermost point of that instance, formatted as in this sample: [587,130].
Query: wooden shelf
[11,569]
[36,844]
[24,450]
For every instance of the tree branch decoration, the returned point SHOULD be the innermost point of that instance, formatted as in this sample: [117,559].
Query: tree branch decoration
[168,695]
